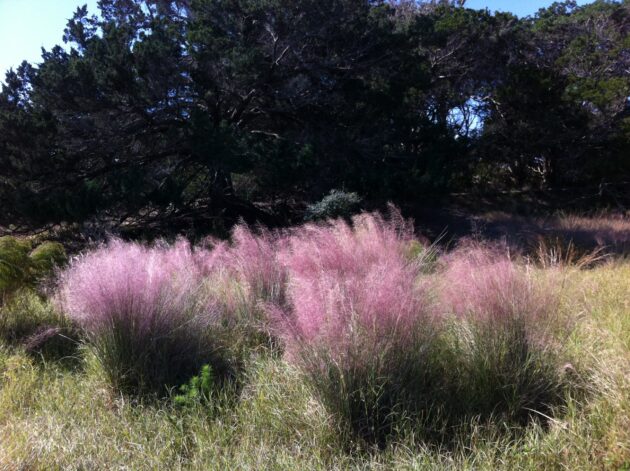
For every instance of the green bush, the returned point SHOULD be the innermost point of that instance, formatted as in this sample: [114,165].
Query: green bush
[23,266]
[46,256]
[15,264]
[334,205]
[198,389]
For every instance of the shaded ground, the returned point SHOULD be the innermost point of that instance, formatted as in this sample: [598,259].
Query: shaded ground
[589,218]
[525,219]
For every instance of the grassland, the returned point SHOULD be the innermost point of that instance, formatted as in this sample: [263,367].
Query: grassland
[62,414]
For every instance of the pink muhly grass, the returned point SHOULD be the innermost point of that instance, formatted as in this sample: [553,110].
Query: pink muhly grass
[253,259]
[143,308]
[145,285]
[357,321]
[503,344]
[343,277]
[248,278]
[484,283]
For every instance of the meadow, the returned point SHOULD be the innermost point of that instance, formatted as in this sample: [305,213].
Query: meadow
[337,345]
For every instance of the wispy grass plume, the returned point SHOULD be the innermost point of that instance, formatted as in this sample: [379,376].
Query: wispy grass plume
[359,324]
[505,351]
[145,312]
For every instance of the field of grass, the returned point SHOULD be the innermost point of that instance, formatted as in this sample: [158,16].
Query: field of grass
[61,412]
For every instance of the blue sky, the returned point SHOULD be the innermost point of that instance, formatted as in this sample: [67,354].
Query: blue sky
[28,25]
[518,7]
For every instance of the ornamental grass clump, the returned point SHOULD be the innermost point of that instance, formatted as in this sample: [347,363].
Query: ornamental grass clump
[246,276]
[253,258]
[145,312]
[505,356]
[359,323]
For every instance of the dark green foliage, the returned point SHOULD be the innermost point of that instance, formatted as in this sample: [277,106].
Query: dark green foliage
[334,205]
[22,267]
[198,389]
[377,398]
[14,264]
[186,113]
[46,256]
[469,373]
[504,373]
[26,320]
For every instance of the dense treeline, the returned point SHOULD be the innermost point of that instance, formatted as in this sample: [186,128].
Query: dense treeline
[158,111]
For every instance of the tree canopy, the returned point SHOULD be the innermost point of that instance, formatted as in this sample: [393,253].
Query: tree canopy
[159,111]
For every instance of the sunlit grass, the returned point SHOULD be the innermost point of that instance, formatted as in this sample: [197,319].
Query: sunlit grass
[52,417]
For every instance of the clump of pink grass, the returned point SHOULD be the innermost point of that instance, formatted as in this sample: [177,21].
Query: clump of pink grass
[346,276]
[387,341]
[253,257]
[143,309]
[485,283]
[246,277]
[123,279]
[503,339]
[358,322]
[386,335]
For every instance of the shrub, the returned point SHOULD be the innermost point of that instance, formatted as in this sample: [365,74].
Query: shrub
[334,205]
[146,313]
[198,389]
[46,256]
[22,267]
[14,264]
[504,358]
[359,325]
